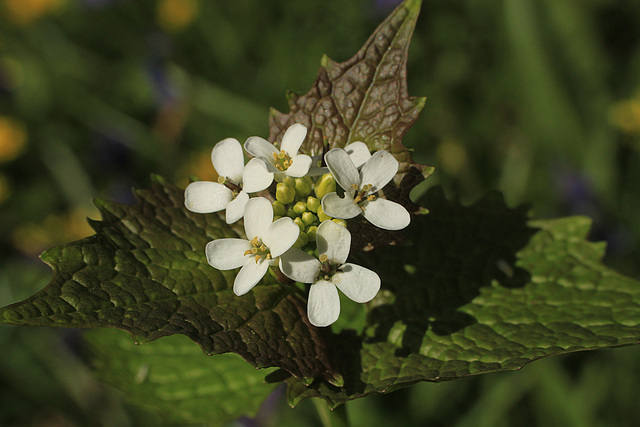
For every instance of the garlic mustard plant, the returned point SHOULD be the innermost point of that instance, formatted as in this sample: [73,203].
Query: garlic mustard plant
[234,183]
[287,161]
[306,218]
[360,190]
[328,273]
[266,240]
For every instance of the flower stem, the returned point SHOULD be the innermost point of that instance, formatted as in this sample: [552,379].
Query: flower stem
[336,418]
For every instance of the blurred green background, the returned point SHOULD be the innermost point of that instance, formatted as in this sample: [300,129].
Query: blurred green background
[539,99]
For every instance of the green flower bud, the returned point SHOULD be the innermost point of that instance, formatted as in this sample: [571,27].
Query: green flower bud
[311,233]
[308,218]
[300,208]
[278,208]
[299,223]
[285,193]
[322,216]
[289,181]
[303,239]
[325,185]
[303,187]
[341,222]
[313,204]
[291,213]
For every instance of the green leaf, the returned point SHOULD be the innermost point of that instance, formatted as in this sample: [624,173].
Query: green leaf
[172,376]
[145,272]
[362,99]
[481,290]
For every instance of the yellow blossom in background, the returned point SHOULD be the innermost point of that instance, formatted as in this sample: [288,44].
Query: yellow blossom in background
[13,138]
[198,165]
[56,229]
[626,115]
[176,15]
[452,156]
[24,12]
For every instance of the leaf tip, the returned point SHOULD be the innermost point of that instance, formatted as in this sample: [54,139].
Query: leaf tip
[158,179]
[412,5]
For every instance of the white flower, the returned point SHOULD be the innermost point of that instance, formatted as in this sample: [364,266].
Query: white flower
[287,161]
[358,283]
[358,153]
[360,190]
[268,240]
[235,182]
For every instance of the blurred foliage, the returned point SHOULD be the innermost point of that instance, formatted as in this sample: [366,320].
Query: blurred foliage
[538,99]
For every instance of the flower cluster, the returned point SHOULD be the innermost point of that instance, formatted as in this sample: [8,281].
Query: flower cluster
[303,232]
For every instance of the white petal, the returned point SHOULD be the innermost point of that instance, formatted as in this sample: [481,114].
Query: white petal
[313,171]
[379,170]
[235,209]
[280,235]
[386,214]
[260,148]
[340,207]
[227,254]
[206,197]
[299,167]
[358,283]
[299,266]
[342,169]
[334,241]
[228,159]
[323,306]
[358,153]
[293,139]
[258,215]
[249,275]
[255,176]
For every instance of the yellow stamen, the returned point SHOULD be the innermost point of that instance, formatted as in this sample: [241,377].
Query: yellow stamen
[247,252]
[282,154]
[221,179]
[357,199]
[263,247]
[354,186]
[324,258]
[371,197]
[258,258]
[275,157]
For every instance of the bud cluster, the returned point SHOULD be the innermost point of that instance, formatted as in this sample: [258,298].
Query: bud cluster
[300,200]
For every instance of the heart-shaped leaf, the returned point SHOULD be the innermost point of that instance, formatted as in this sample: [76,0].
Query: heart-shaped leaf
[145,271]
[482,290]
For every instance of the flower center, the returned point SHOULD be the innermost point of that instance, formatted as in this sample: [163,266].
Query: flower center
[361,198]
[259,249]
[327,268]
[282,161]
[235,188]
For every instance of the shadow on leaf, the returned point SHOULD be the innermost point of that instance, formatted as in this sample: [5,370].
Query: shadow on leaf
[456,251]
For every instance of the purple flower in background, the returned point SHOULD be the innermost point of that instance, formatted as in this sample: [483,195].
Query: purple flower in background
[159,48]
[578,197]
[384,6]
